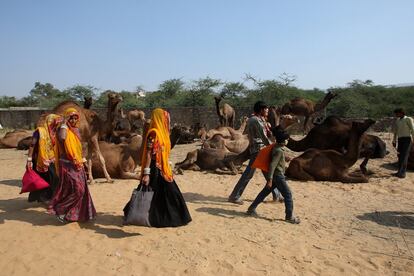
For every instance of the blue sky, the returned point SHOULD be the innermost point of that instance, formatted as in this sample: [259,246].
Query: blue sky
[119,45]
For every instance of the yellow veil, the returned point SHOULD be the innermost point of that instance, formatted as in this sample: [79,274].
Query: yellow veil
[160,126]
[72,144]
[46,143]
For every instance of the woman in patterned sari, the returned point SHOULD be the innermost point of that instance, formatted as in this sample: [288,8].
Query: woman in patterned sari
[72,200]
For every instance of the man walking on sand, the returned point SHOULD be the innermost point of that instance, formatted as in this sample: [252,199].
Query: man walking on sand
[258,133]
[403,136]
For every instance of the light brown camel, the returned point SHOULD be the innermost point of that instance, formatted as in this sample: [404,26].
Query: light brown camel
[228,132]
[89,126]
[226,113]
[136,119]
[331,165]
[333,133]
[307,108]
[121,159]
[12,138]
[232,145]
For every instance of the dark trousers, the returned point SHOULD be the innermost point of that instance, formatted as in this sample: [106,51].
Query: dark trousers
[245,178]
[404,147]
[279,182]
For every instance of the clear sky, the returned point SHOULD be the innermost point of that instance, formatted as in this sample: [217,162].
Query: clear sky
[121,44]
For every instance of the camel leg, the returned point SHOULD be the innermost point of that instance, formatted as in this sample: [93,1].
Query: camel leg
[90,176]
[363,166]
[346,178]
[130,175]
[101,159]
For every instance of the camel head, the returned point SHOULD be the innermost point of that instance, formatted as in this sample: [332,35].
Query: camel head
[87,102]
[330,95]
[114,99]
[218,99]
[361,127]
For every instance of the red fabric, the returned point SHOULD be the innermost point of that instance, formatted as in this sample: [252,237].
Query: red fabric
[263,159]
[32,182]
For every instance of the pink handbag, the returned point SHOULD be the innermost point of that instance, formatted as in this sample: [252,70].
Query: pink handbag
[32,182]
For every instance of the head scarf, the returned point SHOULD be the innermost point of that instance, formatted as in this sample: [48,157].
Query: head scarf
[47,140]
[72,143]
[160,127]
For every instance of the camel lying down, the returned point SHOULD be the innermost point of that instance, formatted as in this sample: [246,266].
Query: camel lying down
[121,159]
[330,165]
[219,160]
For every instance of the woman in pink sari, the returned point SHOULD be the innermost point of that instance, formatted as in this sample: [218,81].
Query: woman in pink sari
[72,200]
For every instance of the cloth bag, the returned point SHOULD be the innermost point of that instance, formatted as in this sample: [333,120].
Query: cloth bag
[136,211]
[32,182]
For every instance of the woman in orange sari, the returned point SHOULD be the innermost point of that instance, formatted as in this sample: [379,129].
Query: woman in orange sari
[72,200]
[168,208]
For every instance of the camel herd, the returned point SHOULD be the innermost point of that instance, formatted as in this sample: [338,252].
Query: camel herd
[330,148]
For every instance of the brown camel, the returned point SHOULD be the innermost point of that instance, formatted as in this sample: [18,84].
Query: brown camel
[333,133]
[136,119]
[90,126]
[122,122]
[331,165]
[220,160]
[226,113]
[181,135]
[12,138]
[307,108]
[275,118]
[87,102]
[107,128]
[121,159]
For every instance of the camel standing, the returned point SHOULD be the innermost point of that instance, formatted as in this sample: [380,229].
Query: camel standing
[91,127]
[330,165]
[307,108]
[107,128]
[226,113]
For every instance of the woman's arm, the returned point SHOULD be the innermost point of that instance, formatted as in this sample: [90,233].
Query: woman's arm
[147,170]
[29,164]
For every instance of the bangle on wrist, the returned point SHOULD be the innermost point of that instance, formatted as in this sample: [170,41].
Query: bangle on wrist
[147,171]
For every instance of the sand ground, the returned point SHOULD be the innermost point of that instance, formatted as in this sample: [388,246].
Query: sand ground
[348,229]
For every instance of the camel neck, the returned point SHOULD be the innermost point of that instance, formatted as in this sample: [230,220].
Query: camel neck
[352,154]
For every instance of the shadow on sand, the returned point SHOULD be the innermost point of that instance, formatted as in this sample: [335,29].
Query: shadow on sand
[12,182]
[19,209]
[404,220]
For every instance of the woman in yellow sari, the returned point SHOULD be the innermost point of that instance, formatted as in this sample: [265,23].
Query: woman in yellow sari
[41,156]
[72,200]
[168,208]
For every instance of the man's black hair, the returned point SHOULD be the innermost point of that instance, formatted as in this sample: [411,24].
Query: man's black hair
[399,110]
[259,105]
[280,134]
